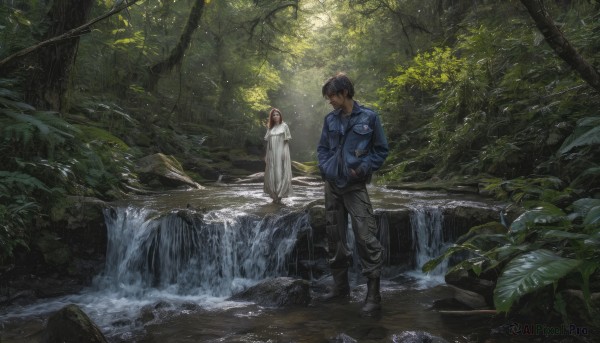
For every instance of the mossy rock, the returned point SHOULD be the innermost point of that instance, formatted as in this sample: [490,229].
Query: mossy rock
[71,325]
[163,170]
[54,250]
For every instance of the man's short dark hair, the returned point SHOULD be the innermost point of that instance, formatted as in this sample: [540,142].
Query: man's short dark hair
[337,84]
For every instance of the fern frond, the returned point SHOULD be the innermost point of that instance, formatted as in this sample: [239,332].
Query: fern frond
[23,117]
[21,181]
[16,104]
[21,132]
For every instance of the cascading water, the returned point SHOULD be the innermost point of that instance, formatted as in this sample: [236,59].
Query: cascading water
[186,253]
[428,241]
[182,257]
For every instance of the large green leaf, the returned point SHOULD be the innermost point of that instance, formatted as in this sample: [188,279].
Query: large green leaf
[544,214]
[561,234]
[528,273]
[589,137]
[593,216]
[584,205]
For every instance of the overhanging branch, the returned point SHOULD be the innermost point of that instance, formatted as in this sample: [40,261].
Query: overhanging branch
[67,35]
[557,41]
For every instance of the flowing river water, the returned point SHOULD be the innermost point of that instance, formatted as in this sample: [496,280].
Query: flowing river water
[166,283]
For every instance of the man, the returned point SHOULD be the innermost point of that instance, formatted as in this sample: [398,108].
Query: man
[352,146]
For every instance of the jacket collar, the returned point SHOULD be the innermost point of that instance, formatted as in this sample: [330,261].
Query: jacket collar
[355,109]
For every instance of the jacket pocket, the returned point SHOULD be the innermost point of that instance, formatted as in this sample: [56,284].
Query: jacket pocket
[362,129]
[360,139]
[330,168]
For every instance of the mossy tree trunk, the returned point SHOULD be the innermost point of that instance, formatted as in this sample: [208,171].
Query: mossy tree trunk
[48,81]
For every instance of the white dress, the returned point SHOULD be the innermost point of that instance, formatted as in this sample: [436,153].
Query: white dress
[278,169]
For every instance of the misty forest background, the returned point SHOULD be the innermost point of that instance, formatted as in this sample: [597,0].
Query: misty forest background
[503,95]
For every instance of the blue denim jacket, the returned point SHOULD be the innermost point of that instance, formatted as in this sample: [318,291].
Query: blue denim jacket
[364,149]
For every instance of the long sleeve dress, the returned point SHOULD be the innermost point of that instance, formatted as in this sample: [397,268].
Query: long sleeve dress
[278,169]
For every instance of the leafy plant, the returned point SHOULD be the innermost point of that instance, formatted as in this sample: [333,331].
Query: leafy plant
[545,246]
[547,188]
[16,210]
[44,159]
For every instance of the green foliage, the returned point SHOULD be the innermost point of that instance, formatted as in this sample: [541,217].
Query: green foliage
[17,25]
[587,133]
[45,159]
[529,273]
[429,71]
[547,188]
[16,210]
[545,246]
[509,105]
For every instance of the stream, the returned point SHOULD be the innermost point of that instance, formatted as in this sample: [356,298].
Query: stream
[168,278]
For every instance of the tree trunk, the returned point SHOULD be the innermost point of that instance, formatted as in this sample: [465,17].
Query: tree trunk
[560,44]
[51,65]
[176,56]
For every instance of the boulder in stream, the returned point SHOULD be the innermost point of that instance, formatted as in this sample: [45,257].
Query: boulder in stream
[71,325]
[277,292]
[163,171]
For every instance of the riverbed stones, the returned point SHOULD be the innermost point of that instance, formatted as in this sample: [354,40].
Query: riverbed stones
[417,337]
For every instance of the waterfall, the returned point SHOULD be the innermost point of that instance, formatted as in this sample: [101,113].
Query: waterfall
[428,238]
[189,253]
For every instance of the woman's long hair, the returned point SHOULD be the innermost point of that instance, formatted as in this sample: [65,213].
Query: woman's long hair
[271,122]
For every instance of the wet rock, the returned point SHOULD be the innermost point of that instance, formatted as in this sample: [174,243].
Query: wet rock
[249,164]
[157,310]
[190,215]
[342,338]
[417,337]
[18,298]
[65,256]
[400,241]
[397,238]
[84,210]
[146,315]
[277,292]
[470,299]
[54,250]
[459,217]
[577,309]
[71,325]
[464,280]
[163,171]
[26,289]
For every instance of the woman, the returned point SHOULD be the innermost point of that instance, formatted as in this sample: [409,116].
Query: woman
[278,170]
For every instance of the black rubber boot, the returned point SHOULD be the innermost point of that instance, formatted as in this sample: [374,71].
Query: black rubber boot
[341,287]
[373,300]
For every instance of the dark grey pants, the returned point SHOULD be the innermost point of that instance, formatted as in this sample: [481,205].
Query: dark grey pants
[353,200]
